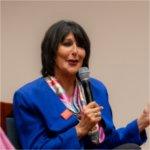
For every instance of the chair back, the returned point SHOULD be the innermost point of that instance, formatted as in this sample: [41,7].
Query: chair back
[8,124]
[11,132]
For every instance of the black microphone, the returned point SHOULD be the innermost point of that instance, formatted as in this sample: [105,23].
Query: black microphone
[84,77]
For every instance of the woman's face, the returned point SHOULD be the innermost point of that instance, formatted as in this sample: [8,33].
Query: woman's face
[69,56]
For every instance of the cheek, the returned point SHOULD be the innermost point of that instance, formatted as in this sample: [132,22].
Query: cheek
[82,55]
[61,55]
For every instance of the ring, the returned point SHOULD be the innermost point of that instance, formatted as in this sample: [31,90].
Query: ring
[96,114]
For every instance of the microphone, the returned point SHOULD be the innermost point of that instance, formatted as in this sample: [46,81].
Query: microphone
[84,77]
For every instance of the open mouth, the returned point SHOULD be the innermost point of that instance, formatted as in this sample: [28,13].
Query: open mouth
[73,62]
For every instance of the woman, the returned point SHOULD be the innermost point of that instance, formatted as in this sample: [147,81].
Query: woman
[4,141]
[51,112]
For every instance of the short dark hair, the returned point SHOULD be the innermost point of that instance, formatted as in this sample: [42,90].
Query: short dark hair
[54,36]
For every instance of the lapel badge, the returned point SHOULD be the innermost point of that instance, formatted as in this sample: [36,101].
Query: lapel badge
[66,114]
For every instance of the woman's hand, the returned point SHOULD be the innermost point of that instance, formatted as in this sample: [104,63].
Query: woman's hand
[90,116]
[144,119]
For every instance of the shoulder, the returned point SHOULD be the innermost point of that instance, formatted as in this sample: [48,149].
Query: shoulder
[97,84]
[30,90]
[30,86]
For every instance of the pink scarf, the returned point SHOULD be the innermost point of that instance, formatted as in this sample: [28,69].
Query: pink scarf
[4,142]
[75,104]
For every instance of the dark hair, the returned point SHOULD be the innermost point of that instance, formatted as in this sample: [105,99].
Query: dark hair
[54,36]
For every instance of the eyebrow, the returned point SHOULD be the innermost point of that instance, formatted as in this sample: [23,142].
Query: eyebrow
[69,39]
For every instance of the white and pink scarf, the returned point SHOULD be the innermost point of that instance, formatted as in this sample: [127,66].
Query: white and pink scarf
[75,104]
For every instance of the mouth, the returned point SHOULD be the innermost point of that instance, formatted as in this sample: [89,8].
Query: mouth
[73,62]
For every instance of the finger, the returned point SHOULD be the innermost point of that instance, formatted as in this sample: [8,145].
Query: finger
[91,110]
[101,107]
[97,119]
[94,114]
[92,105]
[97,114]
[146,110]
[94,110]
[94,118]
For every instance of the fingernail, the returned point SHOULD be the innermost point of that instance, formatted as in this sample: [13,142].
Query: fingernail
[101,107]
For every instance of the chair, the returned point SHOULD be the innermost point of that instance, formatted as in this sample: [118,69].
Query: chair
[7,123]
[11,132]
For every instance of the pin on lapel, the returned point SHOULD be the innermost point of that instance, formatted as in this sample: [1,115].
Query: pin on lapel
[66,114]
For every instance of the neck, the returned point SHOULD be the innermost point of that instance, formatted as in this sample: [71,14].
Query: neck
[67,82]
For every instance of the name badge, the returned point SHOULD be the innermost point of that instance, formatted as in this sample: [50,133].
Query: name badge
[66,114]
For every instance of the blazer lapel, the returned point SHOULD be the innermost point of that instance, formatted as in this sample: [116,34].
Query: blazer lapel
[64,118]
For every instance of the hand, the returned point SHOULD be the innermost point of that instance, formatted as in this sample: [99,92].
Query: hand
[90,116]
[144,119]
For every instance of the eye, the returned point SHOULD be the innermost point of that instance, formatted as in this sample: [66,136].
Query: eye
[80,45]
[67,43]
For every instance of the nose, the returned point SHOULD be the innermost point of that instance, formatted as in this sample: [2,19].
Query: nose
[74,49]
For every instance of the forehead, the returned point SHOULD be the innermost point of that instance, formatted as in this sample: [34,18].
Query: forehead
[70,36]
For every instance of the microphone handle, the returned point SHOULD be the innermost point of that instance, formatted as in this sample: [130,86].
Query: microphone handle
[87,91]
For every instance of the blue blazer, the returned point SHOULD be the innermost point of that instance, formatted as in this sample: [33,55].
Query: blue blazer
[37,111]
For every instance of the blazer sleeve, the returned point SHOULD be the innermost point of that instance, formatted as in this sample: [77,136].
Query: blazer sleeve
[115,137]
[32,132]
[128,134]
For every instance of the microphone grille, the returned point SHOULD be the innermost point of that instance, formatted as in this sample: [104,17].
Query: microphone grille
[84,73]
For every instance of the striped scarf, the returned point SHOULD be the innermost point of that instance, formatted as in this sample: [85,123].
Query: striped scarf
[75,104]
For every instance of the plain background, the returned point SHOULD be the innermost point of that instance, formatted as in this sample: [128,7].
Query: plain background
[118,31]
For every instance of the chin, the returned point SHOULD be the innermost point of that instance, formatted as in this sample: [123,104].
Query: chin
[73,71]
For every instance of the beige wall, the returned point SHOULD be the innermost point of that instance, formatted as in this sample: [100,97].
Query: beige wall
[0,56]
[119,36]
